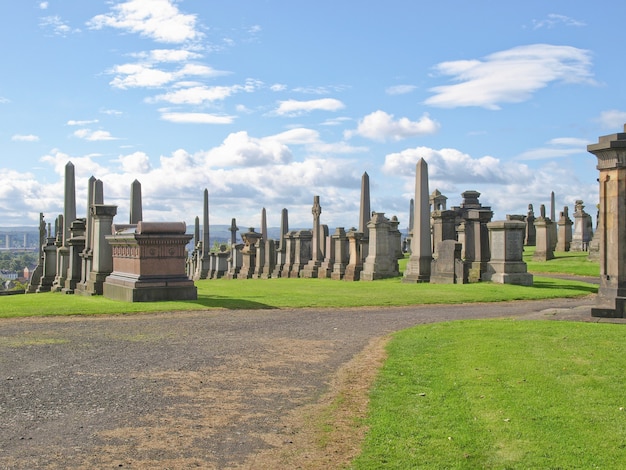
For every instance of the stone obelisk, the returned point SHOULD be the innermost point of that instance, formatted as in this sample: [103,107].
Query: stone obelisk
[418,266]
[136,210]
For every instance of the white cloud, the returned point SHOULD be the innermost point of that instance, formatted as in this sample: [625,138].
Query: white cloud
[145,75]
[278,87]
[199,94]
[196,118]
[239,149]
[43,5]
[88,134]
[135,163]
[510,76]
[400,89]
[381,126]
[73,122]
[4,100]
[559,147]
[55,24]
[172,55]
[612,119]
[25,138]
[554,19]
[296,108]
[159,20]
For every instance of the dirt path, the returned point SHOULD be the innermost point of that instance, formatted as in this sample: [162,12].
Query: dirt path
[212,389]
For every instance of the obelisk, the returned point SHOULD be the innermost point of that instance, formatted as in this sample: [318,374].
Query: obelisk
[418,266]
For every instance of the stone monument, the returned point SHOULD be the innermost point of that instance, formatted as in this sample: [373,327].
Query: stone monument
[506,265]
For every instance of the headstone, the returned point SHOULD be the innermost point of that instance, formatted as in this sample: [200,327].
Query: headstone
[35,278]
[302,251]
[248,254]
[69,215]
[507,248]
[355,265]
[611,154]
[342,253]
[290,253]
[448,267]
[381,261]
[564,230]
[149,263]
[543,229]
[583,228]
[531,235]
[418,266]
[281,253]
[473,234]
[269,265]
[76,245]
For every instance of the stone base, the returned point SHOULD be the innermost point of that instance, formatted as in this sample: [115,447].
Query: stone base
[511,272]
[611,303]
[154,289]
[310,271]
[418,269]
[353,272]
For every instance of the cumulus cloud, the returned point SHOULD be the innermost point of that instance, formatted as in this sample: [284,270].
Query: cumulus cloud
[159,20]
[239,149]
[135,163]
[612,119]
[196,118]
[25,138]
[381,127]
[510,76]
[296,108]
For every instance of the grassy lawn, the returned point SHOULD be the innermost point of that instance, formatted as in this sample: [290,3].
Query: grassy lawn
[295,293]
[570,262]
[500,394]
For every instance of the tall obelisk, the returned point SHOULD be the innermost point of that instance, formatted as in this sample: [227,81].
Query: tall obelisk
[418,266]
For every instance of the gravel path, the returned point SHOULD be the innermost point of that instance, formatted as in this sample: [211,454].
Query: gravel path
[203,389]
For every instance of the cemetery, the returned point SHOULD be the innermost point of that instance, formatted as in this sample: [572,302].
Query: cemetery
[96,257]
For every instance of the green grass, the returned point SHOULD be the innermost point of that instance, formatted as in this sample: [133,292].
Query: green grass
[570,262]
[296,293]
[499,394]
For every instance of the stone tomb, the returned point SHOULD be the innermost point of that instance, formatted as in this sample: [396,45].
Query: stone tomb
[506,240]
[149,263]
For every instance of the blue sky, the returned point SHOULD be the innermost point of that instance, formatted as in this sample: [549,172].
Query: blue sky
[267,103]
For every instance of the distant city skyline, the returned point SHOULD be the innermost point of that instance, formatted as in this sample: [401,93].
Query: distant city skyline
[267,104]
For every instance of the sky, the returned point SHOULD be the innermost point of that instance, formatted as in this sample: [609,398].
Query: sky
[267,103]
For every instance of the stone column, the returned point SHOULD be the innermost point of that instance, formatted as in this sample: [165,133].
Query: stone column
[203,264]
[355,265]
[381,261]
[507,247]
[531,235]
[443,227]
[611,154]
[302,251]
[136,208]
[565,231]
[418,266]
[290,253]
[342,253]
[248,254]
[311,268]
[102,260]
[76,245]
[543,228]
[476,246]
[49,266]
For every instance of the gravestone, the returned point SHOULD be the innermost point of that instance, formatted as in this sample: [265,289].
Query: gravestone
[381,261]
[583,228]
[248,254]
[355,264]
[311,268]
[506,265]
[565,231]
[342,253]
[543,229]
[448,267]
[611,154]
[102,253]
[302,240]
[531,234]
[149,263]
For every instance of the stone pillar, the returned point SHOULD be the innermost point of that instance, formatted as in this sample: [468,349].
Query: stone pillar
[76,245]
[355,265]
[611,154]
[583,228]
[290,253]
[302,251]
[448,267]
[507,247]
[269,264]
[342,253]
[248,254]
[221,263]
[395,237]
[35,278]
[311,268]
[409,235]
[49,266]
[565,231]
[203,264]
[381,261]
[102,254]
[477,252]
[264,224]
[326,268]
[531,235]
[418,266]
[443,227]
[543,228]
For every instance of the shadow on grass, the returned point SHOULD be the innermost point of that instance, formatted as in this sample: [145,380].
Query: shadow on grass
[216,301]
[547,284]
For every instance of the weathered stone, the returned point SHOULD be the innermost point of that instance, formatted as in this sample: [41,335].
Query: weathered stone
[382,259]
[448,267]
[507,248]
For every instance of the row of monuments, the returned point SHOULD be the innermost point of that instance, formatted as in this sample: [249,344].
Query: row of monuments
[148,261]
